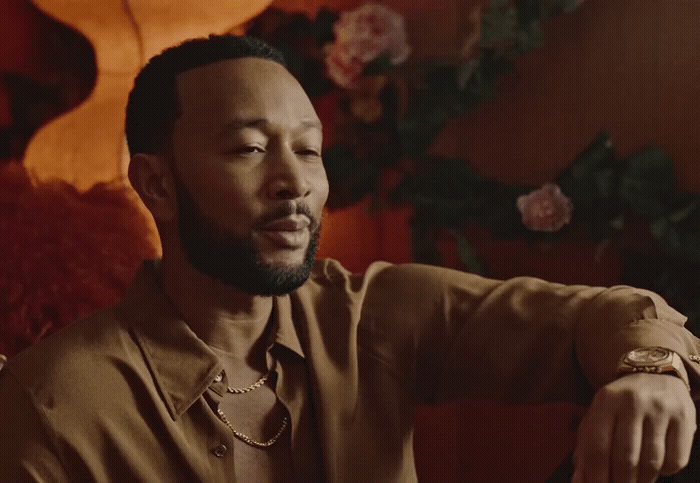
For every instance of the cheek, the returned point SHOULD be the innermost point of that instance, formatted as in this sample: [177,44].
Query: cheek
[228,201]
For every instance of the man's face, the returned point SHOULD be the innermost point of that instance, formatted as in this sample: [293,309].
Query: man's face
[250,180]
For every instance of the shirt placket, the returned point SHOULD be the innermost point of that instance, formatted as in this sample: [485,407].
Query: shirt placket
[220,444]
[292,389]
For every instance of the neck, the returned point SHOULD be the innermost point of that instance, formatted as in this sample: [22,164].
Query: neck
[223,317]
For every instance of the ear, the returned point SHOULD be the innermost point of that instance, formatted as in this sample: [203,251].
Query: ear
[151,177]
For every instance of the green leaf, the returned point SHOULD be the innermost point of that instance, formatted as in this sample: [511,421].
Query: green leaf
[465,70]
[381,65]
[648,182]
[550,8]
[676,241]
[529,38]
[424,239]
[495,208]
[684,212]
[442,192]
[450,193]
[443,88]
[589,180]
[667,235]
[472,262]
[350,179]
[323,25]
[428,111]
[528,11]
[618,223]
[499,26]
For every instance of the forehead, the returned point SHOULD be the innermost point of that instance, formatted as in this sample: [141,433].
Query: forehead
[242,88]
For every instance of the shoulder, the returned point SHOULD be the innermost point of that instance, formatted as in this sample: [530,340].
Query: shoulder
[69,362]
[54,393]
[409,279]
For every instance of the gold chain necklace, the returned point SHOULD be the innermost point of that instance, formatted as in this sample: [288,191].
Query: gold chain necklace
[251,441]
[247,439]
[243,390]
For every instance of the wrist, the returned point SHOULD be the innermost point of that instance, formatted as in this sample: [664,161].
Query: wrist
[653,360]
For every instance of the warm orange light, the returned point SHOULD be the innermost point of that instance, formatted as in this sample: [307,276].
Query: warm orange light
[84,146]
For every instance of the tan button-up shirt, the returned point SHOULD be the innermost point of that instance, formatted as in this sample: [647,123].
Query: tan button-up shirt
[130,393]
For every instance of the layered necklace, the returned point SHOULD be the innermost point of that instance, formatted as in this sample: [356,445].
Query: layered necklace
[247,439]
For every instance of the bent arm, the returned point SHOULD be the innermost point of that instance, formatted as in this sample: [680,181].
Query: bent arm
[519,340]
[537,341]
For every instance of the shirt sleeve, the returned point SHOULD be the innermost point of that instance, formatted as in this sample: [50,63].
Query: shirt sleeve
[520,340]
[27,453]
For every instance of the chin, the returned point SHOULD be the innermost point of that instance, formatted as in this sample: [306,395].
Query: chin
[284,259]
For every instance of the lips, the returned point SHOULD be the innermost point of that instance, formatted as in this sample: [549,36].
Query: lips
[287,232]
[288,223]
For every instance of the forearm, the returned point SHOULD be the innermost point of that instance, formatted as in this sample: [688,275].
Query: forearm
[624,318]
[528,340]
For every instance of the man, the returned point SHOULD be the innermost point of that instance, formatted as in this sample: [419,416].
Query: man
[237,357]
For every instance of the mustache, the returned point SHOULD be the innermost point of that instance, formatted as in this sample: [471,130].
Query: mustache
[288,208]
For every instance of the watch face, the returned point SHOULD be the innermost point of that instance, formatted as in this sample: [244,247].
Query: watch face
[648,355]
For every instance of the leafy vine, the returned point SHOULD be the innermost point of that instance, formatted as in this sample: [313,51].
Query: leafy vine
[384,112]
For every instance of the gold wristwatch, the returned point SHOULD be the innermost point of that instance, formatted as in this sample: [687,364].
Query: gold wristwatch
[656,360]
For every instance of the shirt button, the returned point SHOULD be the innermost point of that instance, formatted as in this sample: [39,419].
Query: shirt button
[220,450]
[218,377]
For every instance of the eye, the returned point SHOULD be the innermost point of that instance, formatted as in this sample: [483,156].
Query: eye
[309,152]
[248,149]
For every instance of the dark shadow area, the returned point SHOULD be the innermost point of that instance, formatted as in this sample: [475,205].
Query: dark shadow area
[64,80]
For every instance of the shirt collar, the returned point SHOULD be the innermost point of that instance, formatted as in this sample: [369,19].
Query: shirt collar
[183,366]
[283,329]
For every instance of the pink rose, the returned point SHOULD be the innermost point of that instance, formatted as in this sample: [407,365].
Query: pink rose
[545,209]
[342,66]
[361,36]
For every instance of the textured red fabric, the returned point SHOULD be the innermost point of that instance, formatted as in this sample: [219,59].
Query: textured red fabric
[65,253]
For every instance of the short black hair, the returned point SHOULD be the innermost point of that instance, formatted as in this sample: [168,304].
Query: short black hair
[153,108]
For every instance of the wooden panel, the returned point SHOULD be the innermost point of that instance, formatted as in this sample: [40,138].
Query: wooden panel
[629,66]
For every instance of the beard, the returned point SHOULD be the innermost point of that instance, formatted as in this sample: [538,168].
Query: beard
[233,260]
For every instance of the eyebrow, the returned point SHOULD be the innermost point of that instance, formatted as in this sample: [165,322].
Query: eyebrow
[261,123]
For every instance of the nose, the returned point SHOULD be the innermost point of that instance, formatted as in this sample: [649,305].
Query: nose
[288,178]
